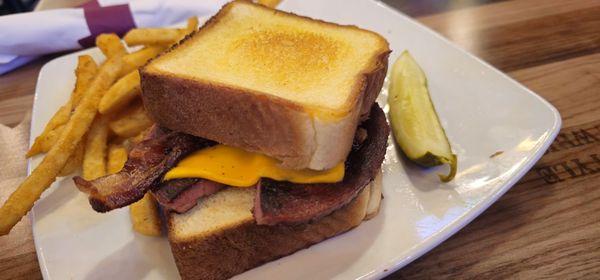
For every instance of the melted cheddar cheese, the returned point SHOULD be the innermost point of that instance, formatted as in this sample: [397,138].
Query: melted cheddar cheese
[240,168]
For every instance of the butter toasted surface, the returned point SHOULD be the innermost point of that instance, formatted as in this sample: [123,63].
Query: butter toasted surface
[316,65]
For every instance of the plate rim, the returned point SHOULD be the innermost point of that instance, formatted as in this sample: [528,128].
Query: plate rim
[394,264]
[449,231]
[34,112]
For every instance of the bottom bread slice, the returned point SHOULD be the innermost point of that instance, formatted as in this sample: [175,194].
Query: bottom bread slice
[219,239]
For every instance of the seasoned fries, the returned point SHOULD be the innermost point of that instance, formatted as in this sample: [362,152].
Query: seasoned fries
[21,201]
[131,122]
[144,216]
[117,156]
[85,71]
[45,141]
[269,3]
[77,136]
[137,59]
[141,136]
[121,93]
[110,45]
[74,161]
[94,157]
[152,36]
[50,139]
[192,25]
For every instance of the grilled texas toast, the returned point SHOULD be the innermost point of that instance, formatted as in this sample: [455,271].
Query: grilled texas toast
[268,81]
[219,237]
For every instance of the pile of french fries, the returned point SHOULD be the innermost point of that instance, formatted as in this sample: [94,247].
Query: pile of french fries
[102,119]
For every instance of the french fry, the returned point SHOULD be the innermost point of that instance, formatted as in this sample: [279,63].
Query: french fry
[59,119]
[51,138]
[192,25]
[110,45]
[117,156]
[23,198]
[137,59]
[84,73]
[269,3]
[152,36]
[45,141]
[121,93]
[94,157]
[130,142]
[131,121]
[141,136]
[74,161]
[144,216]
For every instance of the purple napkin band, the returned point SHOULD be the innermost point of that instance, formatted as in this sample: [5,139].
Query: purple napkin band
[110,19]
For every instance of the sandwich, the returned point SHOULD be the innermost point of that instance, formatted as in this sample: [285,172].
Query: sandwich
[267,139]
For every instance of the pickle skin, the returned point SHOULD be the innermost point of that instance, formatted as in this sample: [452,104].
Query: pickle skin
[429,158]
[453,162]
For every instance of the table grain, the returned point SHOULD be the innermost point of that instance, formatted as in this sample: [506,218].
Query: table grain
[548,224]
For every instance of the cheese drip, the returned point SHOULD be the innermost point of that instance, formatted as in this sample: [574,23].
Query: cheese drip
[239,168]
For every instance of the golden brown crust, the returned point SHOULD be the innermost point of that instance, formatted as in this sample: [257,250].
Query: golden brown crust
[372,83]
[229,116]
[259,122]
[235,250]
[254,122]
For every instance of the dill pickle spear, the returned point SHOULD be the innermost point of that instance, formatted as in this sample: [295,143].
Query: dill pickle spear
[415,123]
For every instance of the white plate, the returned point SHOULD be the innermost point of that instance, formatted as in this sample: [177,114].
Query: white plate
[483,111]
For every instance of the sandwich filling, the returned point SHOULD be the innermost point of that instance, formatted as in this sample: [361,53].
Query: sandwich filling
[239,168]
[278,200]
[146,164]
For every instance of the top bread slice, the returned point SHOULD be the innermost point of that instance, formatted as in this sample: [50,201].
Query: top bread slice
[268,81]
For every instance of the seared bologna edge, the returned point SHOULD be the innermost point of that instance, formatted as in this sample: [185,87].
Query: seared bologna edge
[284,202]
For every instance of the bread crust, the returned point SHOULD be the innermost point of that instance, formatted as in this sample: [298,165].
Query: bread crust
[229,116]
[334,140]
[257,121]
[234,250]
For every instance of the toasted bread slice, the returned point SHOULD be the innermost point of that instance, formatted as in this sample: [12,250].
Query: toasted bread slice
[268,81]
[219,238]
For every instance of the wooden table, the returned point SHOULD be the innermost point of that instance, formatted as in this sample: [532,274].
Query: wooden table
[548,225]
